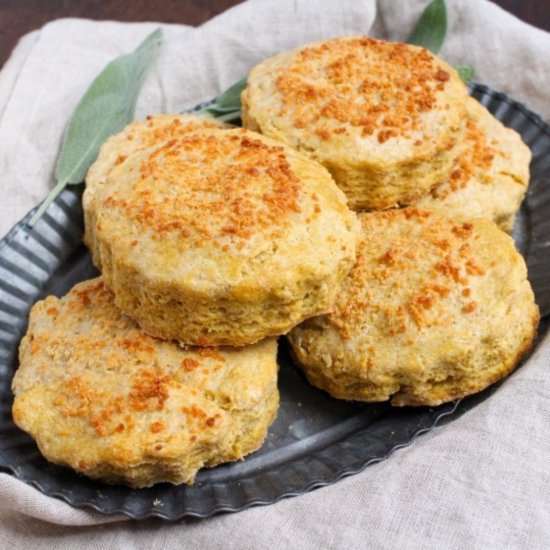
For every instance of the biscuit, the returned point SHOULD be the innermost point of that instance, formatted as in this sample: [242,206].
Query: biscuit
[490,176]
[432,311]
[137,136]
[100,396]
[222,238]
[384,118]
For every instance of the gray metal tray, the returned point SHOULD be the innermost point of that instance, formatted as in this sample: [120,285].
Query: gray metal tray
[315,440]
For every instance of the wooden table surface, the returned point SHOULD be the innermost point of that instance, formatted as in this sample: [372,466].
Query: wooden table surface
[18,17]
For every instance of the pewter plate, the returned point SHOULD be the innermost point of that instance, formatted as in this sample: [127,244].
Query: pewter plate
[315,440]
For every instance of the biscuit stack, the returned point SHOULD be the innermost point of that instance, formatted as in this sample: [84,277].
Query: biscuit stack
[394,125]
[211,241]
[214,240]
[438,304]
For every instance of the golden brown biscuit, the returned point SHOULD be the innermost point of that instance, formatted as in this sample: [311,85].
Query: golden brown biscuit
[102,397]
[137,136]
[222,237]
[383,117]
[432,311]
[490,176]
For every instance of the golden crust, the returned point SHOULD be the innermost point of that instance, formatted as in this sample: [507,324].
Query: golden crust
[222,237]
[490,176]
[137,136]
[104,398]
[383,117]
[433,310]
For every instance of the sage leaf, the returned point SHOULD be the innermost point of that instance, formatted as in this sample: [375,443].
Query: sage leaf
[105,109]
[227,106]
[466,72]
[431,28]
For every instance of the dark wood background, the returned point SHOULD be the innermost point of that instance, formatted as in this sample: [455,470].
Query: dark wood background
[18,17]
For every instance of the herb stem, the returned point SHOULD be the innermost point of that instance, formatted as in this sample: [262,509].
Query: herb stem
[59,186]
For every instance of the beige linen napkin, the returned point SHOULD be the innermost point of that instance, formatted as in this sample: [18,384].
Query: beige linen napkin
[482,481]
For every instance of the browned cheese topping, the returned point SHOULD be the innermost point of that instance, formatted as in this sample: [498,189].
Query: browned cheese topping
[224,187]
[160,131]
[122,345]
[402,280]
[477,156]
[380,87]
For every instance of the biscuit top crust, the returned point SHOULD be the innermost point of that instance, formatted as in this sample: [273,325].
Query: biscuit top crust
[215,205]
[358,87]
[417,269]
[158,128]
[378,86]
[249,184]
[112,379]
[140,135]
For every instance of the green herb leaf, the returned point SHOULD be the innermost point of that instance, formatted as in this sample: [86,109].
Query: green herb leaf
[227,106]
[431,28]
[466,72]
[105,109]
